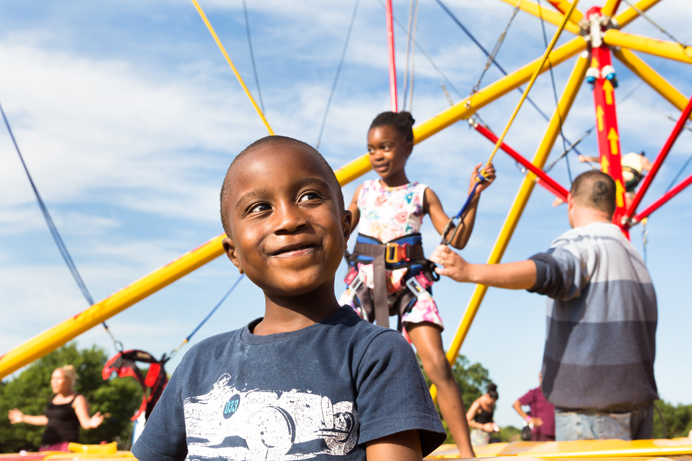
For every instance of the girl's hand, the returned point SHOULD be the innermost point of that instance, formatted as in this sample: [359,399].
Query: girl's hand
[489,171]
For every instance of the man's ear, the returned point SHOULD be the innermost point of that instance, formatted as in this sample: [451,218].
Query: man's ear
[229,249]
[346,223]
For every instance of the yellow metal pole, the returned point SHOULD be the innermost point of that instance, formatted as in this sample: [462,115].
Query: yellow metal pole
[568,8]
[467,107]
[630,14]
[525,94]
[610,7]
[55,337]
[669,50]
[230,63]
[651,78]
[565,104]
[544,13]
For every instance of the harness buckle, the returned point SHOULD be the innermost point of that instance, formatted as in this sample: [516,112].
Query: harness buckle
[391,253]
[415,286]
[352,280]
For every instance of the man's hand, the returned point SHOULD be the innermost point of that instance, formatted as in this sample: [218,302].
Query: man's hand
[454,266]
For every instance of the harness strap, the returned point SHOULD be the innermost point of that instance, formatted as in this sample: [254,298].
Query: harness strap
[390,255]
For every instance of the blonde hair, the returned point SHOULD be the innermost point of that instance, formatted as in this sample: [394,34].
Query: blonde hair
[70,373]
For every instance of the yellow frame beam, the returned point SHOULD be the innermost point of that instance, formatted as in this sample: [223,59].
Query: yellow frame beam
[661,48]
[564,6]
[610,7]
[544,13]
[467,107]
[565,104]
[630,14]
[651,78]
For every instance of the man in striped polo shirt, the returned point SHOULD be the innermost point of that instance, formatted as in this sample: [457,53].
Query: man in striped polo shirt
[601,329]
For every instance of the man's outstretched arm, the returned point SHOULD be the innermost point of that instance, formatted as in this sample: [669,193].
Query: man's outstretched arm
[519,275]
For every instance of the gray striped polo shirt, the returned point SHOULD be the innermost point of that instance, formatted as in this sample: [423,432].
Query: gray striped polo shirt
[601,320]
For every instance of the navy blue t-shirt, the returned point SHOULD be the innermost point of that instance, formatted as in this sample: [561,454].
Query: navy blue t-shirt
[321,392]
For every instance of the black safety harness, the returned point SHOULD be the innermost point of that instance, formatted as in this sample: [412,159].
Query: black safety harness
[403,252]
[125,364]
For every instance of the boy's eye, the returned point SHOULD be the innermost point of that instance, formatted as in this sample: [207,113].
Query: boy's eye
[258,208]
[310,195]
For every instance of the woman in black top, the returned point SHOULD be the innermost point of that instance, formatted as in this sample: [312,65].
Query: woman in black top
[480,417]
[65,412]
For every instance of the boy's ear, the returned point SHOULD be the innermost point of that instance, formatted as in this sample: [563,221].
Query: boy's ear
[346,224]
[229,248]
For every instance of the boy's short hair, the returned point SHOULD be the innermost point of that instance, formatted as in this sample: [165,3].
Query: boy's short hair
[595,189]
[269,141]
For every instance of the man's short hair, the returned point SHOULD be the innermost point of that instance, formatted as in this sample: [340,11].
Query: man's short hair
[595,189]
[272,141]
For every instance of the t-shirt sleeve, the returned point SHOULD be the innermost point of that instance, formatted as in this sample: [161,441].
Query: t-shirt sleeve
[163,437]
[528,398]
[560,273]
[392,395]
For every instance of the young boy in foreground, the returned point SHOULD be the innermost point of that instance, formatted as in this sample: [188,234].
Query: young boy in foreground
[309,380]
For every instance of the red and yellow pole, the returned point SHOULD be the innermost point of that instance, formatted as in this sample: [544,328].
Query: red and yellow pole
[602,75]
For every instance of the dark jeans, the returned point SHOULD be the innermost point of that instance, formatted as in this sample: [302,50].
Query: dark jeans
[596,425]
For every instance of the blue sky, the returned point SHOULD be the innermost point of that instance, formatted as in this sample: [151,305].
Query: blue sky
[128,116]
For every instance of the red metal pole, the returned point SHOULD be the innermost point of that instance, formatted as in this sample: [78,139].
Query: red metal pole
[606,118]
[664,198]
[544,180]
[392,63]
[659,160]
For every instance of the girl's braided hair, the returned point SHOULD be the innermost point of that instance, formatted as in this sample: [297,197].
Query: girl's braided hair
[401,121]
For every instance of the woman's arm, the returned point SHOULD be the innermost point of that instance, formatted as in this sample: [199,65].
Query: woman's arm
[402,446]
[17,416]
[439,218]
[81,409]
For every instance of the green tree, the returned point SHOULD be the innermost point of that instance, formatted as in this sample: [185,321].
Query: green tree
[31,391]
[678,420]
[472,379]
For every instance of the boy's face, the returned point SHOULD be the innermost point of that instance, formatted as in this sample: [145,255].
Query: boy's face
[288,232]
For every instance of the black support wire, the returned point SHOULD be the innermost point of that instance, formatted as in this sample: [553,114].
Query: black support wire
[500,68]
[252,56]
[552,80]
[56,235]
[338,72]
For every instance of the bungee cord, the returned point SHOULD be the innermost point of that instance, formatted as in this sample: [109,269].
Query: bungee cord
[495,63]
[59,242]
[252,55]
[552,80]
[533,79]
[230,63]
[187,339]
[338,73]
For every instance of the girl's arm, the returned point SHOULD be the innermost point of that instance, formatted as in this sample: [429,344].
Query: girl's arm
[17,416]
[402,446]
[81,409]
[439,218]
[353,208]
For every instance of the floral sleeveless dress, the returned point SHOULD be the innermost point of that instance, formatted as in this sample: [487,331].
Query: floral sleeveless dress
[387,213]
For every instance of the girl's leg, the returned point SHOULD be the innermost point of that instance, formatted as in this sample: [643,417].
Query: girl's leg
[427,338]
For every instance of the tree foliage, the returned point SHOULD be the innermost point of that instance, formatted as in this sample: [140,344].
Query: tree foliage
[472,379]
[30,392]
[678,420]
